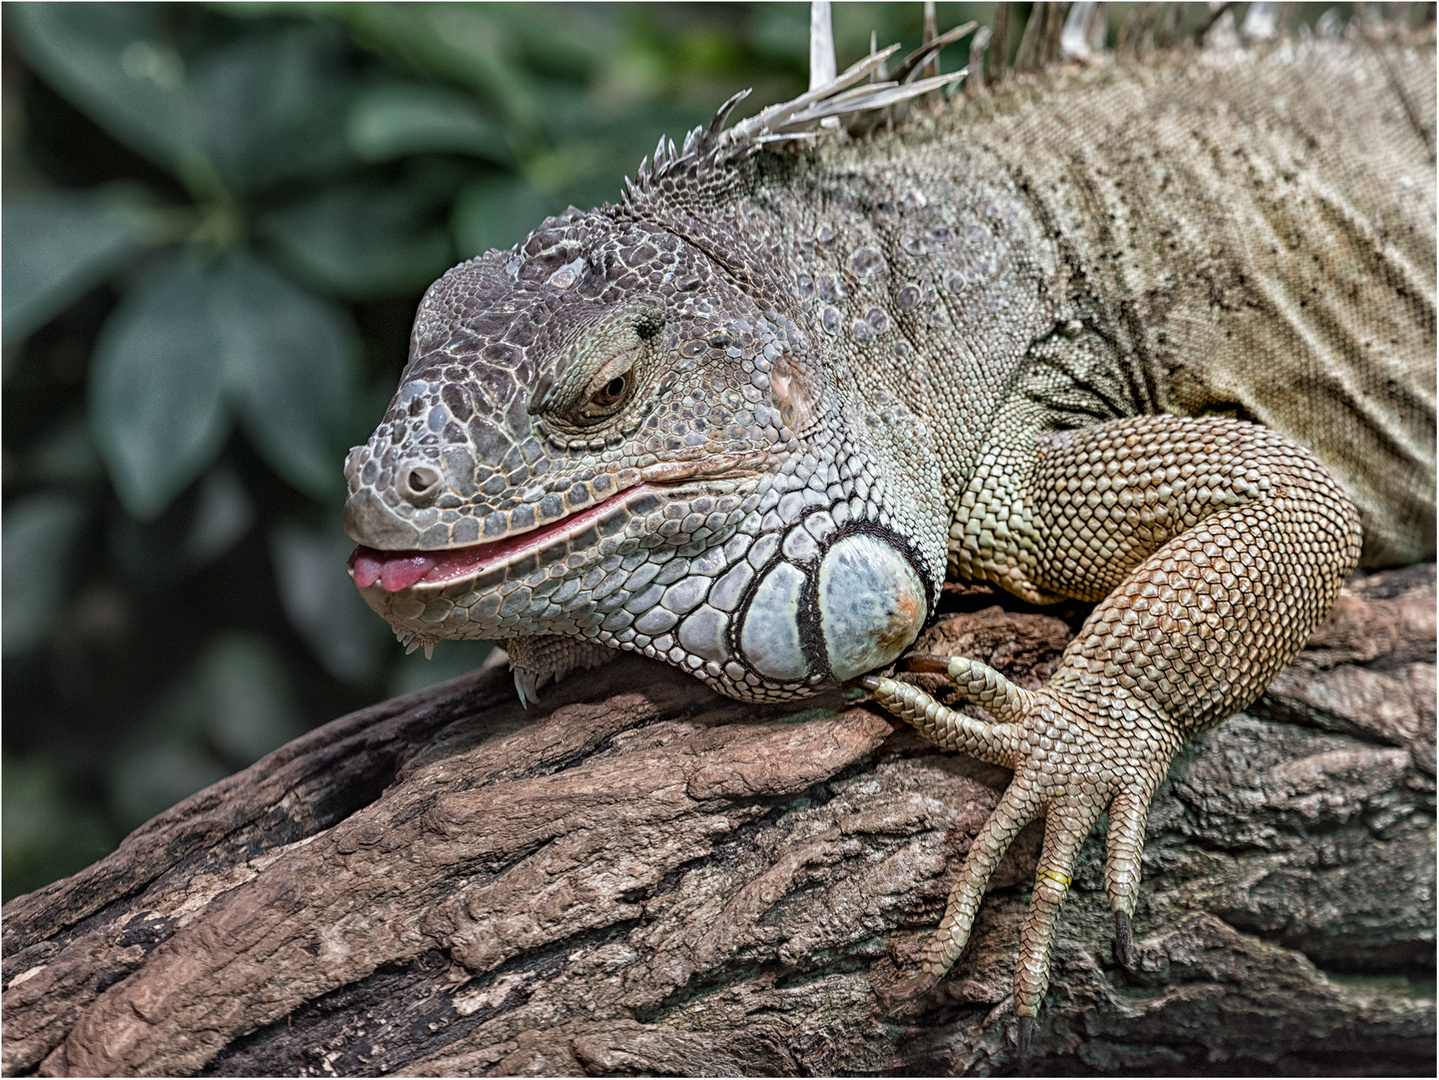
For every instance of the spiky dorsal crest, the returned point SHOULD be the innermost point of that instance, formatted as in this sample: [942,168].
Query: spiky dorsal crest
[703,174]
[703,171]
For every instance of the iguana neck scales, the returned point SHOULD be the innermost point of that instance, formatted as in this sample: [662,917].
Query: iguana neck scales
[1158,336]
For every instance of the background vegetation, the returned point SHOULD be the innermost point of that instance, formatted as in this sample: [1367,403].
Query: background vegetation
[218,220]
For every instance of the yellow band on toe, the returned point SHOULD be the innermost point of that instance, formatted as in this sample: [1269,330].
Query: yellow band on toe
[1062,880]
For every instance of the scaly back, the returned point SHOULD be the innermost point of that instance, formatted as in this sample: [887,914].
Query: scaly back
[1253,232]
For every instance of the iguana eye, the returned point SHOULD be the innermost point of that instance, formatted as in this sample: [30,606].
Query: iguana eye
[607,399]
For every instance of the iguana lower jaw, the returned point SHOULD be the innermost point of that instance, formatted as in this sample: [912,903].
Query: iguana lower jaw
[828,605]
[708,564]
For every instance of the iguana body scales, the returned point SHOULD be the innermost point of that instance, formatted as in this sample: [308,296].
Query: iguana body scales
[1234,234]
[1159,336]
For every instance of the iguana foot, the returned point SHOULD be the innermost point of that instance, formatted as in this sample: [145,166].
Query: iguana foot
[537,660]
[1073,758]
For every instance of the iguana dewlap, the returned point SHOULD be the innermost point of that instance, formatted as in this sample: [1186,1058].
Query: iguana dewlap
[1159,337]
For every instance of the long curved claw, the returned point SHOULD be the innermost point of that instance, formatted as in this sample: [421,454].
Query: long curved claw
[908,989]
[925,662]
[1124,942]
[1127,815]
[1026,1032]
[526,687]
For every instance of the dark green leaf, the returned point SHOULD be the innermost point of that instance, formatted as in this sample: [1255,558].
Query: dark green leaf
[256,112]
[496,212]
[290,361]
[39,536]
[157,388]
[245,694]
[466,44]
[114,61]
[398,119]
[46,834]
[324,605]
[361,241]
[224,512]
[56,247]
[65,460]
[272,109]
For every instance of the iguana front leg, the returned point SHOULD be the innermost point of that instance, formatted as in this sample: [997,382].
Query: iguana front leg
[1216,546]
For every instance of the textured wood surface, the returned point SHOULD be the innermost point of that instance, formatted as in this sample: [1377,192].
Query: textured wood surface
[637,876]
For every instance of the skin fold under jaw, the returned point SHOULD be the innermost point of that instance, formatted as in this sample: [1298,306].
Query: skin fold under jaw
[747,420]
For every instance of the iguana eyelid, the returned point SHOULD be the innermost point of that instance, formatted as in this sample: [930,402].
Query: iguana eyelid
[617,367]
[620,367]
[585,410]
[618,351]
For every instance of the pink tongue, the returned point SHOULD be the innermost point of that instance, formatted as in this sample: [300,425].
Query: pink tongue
[392,573]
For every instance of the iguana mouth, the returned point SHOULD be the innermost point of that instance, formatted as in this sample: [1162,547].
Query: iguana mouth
[396,571]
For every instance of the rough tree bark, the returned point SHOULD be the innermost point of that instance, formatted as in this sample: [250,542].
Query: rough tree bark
[638,876]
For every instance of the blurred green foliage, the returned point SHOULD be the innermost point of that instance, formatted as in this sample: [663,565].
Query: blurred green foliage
[218,220]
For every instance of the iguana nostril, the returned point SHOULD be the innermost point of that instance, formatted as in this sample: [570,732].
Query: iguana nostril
[419,482]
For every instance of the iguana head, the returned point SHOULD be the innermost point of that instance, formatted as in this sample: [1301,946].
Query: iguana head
[623,430]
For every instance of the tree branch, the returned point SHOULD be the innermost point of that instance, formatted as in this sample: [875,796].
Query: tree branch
[639,876]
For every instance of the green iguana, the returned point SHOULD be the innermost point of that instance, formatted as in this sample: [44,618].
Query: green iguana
[1157,335]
